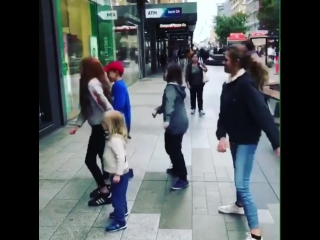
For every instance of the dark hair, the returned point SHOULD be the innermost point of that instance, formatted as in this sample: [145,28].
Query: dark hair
[257,69]
[91,68]
[174,73]
[249,45]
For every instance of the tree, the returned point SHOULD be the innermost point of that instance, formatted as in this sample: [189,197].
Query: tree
[233,24]
[268,15]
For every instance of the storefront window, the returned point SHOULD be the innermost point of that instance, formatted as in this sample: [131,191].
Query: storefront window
[77,40]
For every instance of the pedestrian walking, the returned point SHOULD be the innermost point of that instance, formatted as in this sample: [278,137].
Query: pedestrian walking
[95,97]
[116,164]
[195,75]
[243,114]
[175,123]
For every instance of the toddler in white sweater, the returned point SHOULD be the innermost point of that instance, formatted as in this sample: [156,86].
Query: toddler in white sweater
[116,164]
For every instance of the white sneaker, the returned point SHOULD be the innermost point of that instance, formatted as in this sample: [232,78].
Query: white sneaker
[201,113]
[231,208]
[193,111]
[250,238]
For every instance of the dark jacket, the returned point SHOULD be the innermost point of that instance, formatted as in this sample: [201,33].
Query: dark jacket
[244,113]
[188,77]
[173,109]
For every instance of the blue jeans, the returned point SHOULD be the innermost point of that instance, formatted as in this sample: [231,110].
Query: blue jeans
[243,156]
[118,198]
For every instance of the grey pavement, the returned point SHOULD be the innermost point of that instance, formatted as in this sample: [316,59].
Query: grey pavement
[156,213]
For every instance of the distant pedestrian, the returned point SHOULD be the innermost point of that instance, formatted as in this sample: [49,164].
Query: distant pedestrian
[95,98]
[194,79]
[243,114]
[175,123]
[116,164]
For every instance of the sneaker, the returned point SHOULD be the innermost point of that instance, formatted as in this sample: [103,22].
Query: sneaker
[193,111]
[250,238]
[111,215]
[103,199]
[96,193]
[201,113]
[231,208]
[180,184]
[116,226]
[171,172]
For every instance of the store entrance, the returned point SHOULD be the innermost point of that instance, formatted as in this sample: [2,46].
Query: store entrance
[45,111]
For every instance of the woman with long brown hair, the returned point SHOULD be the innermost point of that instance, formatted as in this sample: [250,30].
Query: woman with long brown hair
[243,115]
[95,98]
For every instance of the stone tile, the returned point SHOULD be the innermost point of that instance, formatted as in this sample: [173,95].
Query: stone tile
[235,235]
[48,152]
[46,195]
[45,233]
[53,184]
[158,165]
[177,209]
[198,189]
[55,212]
[72,165]
[62,175]
[237,226]
[276,189]
[271,231]
[227,189]
[209,227]
[72,147]
[199,205]
[83,173]
[70,233]
[274,210]
[263,194]
[74,189]
[203,161]
[210,177]
[101,234]
[155,176]
[103,218]
[211,186]
[265,216]
[150,197]
[133,189]
[142,226]
[174,234]
[41,181]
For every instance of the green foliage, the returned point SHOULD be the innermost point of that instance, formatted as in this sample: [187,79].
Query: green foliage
[232,24]
[269,14]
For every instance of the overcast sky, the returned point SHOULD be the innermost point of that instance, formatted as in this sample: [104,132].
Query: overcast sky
[206,10]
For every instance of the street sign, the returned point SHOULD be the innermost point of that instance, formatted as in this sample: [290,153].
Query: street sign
[164,12]
[179,36]
[108,15]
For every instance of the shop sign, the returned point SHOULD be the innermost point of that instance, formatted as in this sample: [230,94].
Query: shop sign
[179,37]
[164,12]
[108,15]
[173,25]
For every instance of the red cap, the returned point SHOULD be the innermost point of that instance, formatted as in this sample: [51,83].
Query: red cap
[115,66]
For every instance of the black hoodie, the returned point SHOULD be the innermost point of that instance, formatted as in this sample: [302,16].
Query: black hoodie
[244,113]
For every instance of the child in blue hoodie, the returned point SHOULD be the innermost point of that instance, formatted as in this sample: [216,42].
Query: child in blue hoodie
[120,95]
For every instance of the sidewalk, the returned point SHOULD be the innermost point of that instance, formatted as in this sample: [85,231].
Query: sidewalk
[156,213]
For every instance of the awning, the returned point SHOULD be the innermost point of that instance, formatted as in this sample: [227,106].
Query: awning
[237,37]
[259,34]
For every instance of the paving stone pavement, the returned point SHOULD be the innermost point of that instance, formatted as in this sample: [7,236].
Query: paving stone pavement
[156,213]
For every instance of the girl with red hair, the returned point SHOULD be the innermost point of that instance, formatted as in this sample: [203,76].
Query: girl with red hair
[95,97]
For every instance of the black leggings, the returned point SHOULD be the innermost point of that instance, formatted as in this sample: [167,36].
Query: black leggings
[196,93]
[173,146]
[96,145]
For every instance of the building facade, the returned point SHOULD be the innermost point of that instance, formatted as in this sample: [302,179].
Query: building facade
[220,9]
[252,9]
[238,6]
[73,29]
[227,8]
